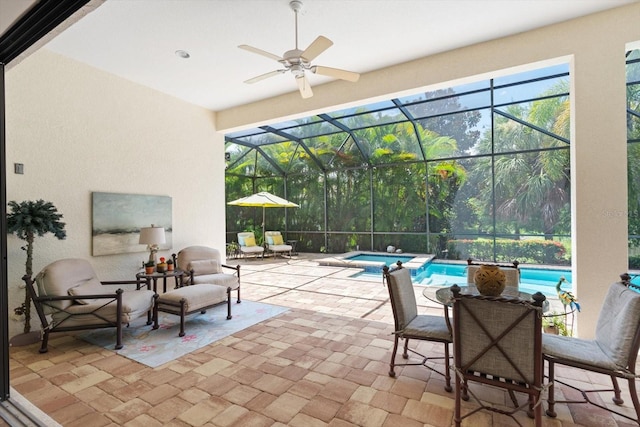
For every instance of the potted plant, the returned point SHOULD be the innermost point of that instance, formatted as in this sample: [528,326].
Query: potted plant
[28,220]
[169,264]
[554,323]
[148,267]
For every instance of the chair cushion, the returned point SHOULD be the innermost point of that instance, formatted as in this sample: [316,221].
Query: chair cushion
[197,253]
[617,323]
[428,326]
[277,239]
[280,248]
[252,249]
[220,279]
[134,305]
[577,350]
[250,241]
[195,296]
[204,266]
[403,297]
[58,277]
[90,287]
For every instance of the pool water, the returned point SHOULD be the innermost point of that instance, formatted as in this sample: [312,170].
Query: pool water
[531,279]
[433,273]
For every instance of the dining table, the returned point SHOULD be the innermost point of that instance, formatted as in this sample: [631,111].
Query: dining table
[443,294]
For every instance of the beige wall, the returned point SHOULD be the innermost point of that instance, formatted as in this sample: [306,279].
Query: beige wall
[594,46]
[79,130]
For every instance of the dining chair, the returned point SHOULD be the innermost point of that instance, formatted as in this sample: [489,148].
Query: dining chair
[510,270]
[411,325]
[497,341]
[613,352]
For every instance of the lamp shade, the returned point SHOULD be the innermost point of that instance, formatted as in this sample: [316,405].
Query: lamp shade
[152,236]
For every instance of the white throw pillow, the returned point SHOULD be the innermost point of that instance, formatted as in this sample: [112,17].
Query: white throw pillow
[205,266]
[90,287]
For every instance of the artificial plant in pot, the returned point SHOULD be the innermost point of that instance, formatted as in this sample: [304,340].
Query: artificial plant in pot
[29,220]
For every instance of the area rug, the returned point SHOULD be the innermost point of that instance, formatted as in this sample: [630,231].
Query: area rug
[156,347]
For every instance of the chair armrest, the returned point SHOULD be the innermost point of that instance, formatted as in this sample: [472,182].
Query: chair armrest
[77,297]
[123,282]
[236,268]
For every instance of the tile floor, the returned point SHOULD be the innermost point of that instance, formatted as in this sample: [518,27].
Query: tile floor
[322,363]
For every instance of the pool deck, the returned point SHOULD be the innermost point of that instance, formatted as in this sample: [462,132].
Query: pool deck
[323,363]
[342,260]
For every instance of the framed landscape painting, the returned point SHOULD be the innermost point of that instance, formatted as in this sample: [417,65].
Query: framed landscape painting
[117,219]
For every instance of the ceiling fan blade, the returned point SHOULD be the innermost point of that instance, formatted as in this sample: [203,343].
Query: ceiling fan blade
[319,45]
[335,72]
[304,87]
[265,76]
[260,52]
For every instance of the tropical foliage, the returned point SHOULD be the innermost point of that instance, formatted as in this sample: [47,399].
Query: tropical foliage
[487,161]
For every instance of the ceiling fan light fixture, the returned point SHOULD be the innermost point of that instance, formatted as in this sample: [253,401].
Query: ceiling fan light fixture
[297,61]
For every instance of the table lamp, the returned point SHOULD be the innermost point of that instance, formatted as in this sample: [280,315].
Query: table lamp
[152,237]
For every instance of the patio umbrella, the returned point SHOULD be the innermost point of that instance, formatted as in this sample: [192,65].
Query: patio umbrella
[264,200]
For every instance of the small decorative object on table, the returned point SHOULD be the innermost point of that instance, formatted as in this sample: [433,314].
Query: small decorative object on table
[148,267]
[162,266]
[169,265]
[490,280]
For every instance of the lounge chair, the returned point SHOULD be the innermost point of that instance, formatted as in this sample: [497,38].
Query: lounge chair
[203,264]
[70,297]
[275,243]
[248,246]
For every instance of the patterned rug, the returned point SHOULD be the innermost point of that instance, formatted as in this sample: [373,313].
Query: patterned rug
[156,347]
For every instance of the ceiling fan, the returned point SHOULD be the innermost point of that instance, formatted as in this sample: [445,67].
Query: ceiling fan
[298,62]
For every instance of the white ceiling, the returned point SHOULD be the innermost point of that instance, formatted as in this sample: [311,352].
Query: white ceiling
[136,39]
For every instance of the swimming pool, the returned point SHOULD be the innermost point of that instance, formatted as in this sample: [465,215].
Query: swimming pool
[531,279]
[372,262]
[428,272]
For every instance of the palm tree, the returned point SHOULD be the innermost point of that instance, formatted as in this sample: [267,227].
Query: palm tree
[27,220]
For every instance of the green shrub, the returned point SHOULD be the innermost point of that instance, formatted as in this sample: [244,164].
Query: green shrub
[533,251]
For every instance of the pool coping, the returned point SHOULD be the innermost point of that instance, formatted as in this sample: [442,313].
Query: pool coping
[339,260]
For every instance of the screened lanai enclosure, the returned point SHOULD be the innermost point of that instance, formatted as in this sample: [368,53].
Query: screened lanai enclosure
[477,170]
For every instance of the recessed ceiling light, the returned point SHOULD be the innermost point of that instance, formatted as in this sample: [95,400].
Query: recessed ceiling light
[183,54]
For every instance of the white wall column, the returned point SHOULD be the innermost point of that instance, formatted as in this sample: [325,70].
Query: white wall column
[599,173]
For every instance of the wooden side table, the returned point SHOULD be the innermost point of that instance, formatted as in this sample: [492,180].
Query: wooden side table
[177,274]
